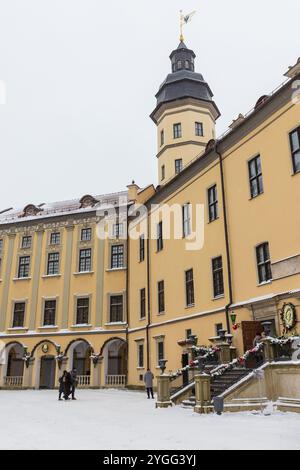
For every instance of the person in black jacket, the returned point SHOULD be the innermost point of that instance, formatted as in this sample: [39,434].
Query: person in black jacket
[73,382]
[65,385]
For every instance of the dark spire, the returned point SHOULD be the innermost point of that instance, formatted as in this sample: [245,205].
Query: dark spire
[183,82]
[182,58]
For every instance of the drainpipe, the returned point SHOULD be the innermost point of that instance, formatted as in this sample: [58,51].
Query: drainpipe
[226,233]
[148,292]
[127,283]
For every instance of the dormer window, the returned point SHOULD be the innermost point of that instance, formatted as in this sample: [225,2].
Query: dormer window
[30,211]
[87,201]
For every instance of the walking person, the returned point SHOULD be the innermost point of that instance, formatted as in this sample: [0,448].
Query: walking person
[73,382]
[64,385]
[148,379]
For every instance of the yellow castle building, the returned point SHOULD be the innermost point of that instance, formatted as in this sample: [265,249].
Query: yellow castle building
[111,284]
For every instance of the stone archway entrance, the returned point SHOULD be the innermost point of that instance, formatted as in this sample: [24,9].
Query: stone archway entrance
[115,363]
[47,372]
[15,366]
[79,353]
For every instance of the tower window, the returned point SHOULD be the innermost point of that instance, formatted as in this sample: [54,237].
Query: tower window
[217,269]
[199,129]
[189,288]
[295,147]
[186,220]
[187,64]
[178,165]
[179,65]
[263,263]
[177,131]
[163,172]
[255,177]
[159,241]
[162,138]
[161,296]
[143,303]
[212,203]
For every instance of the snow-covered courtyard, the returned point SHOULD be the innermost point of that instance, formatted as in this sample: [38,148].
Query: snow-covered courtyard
[120,419]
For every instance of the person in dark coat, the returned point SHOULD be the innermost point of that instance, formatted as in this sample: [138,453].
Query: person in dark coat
[73,382]
[148,379]
[65,385]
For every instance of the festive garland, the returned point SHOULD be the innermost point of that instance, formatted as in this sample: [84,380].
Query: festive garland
[282,341]
[220,370]
[205,354]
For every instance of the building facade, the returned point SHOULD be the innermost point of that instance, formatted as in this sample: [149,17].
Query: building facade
[215,246]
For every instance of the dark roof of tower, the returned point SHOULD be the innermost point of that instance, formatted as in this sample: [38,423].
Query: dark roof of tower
[183,82]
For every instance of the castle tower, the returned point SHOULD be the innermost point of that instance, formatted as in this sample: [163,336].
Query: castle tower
[185,115]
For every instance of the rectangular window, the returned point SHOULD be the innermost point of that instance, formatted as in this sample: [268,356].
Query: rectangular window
[163,172]
[140,355]
[159,241]
[24,263]
[49,312]
[53,264]
[212,203]
[26,242]
[295,148]
[189,288]
[255,177]
[160,351]
[116,309]
[86,234]
[218,282]
[85,260]
[1,245]
[118,230]
[188,333]
[82,313]
[178,165]
[186,220]
[19,315]
[177,131]
[142,247]
[162,138]
[218,328]
[55,238]
[263,263]
[117,256]
[142,303]
[199,129]
[161,296]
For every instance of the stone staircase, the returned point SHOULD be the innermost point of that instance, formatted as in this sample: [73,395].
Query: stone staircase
[220,384]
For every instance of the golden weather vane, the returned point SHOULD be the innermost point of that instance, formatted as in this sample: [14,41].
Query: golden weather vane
[184,19]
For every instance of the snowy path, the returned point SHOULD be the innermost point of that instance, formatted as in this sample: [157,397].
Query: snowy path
[112,419]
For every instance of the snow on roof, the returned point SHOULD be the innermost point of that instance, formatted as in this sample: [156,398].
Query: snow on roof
[72,206]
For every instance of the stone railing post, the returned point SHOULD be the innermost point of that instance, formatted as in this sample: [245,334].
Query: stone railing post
[203,394]
[163,391]
[28,373]
[96,365]
[268,351]
[225,353]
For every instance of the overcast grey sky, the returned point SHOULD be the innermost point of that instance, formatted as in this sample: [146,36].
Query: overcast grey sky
[81,77]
